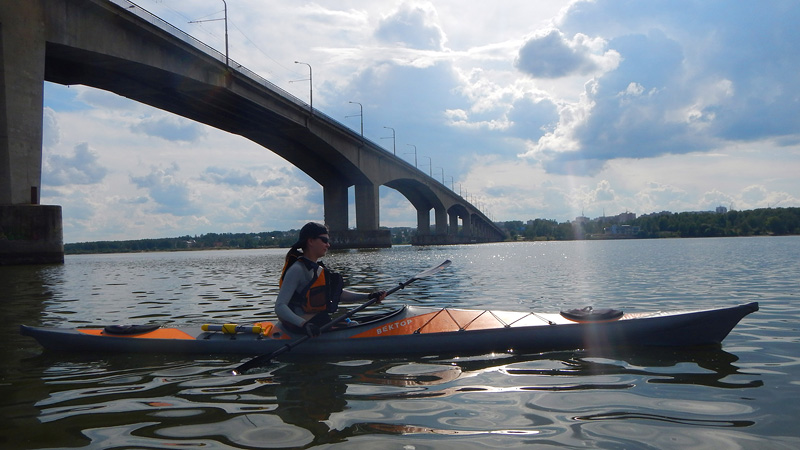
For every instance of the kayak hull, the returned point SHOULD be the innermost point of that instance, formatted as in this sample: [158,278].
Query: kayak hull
[420,330]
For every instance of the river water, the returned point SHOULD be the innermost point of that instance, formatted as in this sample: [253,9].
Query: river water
[744,395]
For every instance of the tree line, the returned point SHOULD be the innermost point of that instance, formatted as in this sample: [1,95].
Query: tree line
[197,242]
[757,222]
[271,239]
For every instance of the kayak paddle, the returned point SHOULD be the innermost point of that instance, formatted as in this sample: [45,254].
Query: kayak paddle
[263,359]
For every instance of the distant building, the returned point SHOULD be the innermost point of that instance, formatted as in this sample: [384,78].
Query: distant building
[622,230]
[721,210]
[581,219]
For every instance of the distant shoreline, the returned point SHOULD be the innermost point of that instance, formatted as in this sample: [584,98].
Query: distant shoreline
[663,225]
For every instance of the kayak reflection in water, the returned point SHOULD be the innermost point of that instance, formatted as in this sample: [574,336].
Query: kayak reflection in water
[309,291]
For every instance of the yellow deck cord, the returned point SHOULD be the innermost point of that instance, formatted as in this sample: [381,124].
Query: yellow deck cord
[232,328]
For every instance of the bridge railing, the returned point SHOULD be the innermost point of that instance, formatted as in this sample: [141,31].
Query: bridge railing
[205,48]
[232,64]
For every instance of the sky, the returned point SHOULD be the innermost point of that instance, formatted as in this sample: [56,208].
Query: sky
[528,108]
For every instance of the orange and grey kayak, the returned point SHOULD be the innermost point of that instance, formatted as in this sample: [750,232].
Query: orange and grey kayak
[417,330]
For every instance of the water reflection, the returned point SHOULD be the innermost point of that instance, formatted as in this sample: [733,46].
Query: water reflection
[295,404]
[710,367]
[307,395]
[628,415]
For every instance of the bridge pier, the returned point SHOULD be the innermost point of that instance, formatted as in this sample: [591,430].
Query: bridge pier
[466,226]
[453,230]
[29,233]
[445,234]
[367,208]
[440,214]
[367,234]
[361,239]
[334,198]
[423,221]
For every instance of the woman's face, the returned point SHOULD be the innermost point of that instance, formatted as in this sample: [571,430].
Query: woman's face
[317,247]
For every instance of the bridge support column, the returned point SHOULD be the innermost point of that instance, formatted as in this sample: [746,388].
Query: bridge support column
[22,55]
[441,221]
[423,221]
[481,230]
[335,203]
[29,233]
[453,230]
[366,234]
[367,207]
[466,227]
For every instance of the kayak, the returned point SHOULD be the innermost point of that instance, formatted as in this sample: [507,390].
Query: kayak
[417,330]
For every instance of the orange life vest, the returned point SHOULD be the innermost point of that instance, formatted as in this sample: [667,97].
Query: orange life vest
[322,293]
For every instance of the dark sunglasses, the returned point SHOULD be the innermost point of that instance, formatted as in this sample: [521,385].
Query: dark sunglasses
[323,239]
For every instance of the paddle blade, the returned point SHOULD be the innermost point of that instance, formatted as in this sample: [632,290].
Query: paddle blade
[425,273]
[433,270]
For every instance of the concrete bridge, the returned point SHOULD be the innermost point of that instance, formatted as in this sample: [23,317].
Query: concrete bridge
[119,47]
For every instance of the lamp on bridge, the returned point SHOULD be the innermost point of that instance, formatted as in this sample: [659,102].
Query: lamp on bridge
[415,153]
[225,10]
[359,114]
[310,87]
[430,165]
[394,141]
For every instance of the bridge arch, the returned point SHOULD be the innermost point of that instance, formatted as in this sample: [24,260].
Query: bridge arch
[423,198]
[455,212]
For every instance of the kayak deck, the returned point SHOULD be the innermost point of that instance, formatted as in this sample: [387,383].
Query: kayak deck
[414,329]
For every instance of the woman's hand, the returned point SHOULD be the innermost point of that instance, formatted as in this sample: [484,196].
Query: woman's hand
[380,295]
[312,330]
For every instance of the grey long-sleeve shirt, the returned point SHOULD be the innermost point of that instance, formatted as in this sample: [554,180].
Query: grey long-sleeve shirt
[297,277]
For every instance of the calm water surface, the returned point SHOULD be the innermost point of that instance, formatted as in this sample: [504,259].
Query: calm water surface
[744,395]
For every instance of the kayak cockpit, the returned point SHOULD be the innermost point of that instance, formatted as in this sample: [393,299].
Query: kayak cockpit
[370,319]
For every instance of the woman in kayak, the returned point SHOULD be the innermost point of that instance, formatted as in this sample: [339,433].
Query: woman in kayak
[309,291]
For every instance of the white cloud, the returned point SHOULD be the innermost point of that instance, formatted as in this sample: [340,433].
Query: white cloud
[413,25]
[81,167]
[550,54]
[51,133]
[170,128]
[172,194]
[231,177]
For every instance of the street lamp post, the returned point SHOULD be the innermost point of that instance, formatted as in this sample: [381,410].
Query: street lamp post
[442,173]
[415,154]
[310,87]
[225,10]
[430,166]
[359,114]
[394,141]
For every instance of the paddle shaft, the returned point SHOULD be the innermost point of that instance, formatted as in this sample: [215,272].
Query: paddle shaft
[259,360]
